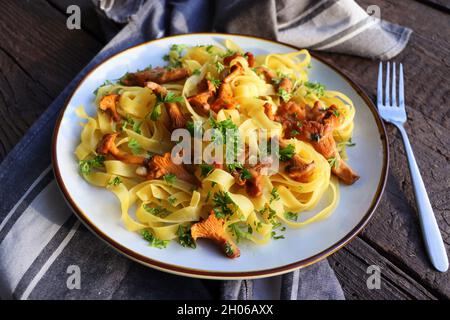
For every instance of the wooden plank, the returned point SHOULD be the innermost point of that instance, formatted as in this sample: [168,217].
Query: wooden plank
[394,231]
[95,24]
[351,267]
[443,5]
[38,58]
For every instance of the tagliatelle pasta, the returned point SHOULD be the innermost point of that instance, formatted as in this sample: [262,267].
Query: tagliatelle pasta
[265,145]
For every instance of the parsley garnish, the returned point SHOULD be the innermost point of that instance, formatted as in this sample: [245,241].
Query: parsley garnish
[284,95]
[156,211]
[228,249]
[274,195]
[209,48]
[185,237]
[172,200]
[170,178]
[287,152]
[291,215]
[196,72]
[314,87]
[137,127]
[333,162]
[275,236]
[219,66]
[134,145]
[153,241]
[115,182]
[86,165]
[205,169]
[315,137]
[222,201]
[215,82]
[156,112]
[171,98]
[238,232]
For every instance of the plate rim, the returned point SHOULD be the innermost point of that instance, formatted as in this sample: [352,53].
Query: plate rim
[225,275]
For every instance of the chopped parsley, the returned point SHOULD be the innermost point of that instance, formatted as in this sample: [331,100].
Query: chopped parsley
[215,82]
[219,66]
[134,145]
[222,202]
[228,249]
[287,152]
[185,237]
[156,112]
[294,132]
[336,113]
[226,132]
[205,169]
[172,199]
[115,182]
[314,87]
[170,178]
[196,72]
[284,95]
[291,215]
[209,48]
[274,195]
[106,83]
[347,143]
[244,172]
[153,241]
[86,165]
[156,211]
[315,137]
[174,56]
[137,127]
[228,53]
[240,231]
[275,236]
[334,163]
[171,98]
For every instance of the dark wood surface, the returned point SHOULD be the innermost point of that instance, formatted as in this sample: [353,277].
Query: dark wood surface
[39,56]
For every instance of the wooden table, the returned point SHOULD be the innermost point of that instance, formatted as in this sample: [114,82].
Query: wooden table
[39,56]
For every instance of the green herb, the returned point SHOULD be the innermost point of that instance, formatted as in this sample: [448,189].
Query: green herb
[274,195]
[134,145]
[106,83]
[170,178]
[225,132]
[315,137]
[153,241]
[291,215]
[334,163]
[219,66]
[240,232]
[294,132]
[287,152]
[172,199]
[205,169]
[208,195]
[156,211]
[156,112]
[314,87]
[209,48]
[86,165]
[348,143]
[336,113]
[215,82]
[115,182]
[275,236]
[196,72]
[185,237]
[222,203]
[174,56]
[137,127]
[228,53]
[245,174]
[171,98]
[228,249]
[284,95]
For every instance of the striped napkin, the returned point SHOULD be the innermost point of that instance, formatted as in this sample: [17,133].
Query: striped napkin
[45,253]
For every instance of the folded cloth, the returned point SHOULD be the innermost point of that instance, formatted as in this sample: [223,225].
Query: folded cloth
[45,253]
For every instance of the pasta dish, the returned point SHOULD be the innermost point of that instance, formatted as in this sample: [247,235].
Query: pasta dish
[218,144]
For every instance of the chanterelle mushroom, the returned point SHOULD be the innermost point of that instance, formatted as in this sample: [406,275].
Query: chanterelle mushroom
[159,75]
[212,228]
[158,166]
[107,145]
[108,104]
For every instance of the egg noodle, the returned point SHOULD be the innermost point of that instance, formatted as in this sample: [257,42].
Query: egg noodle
[166,207]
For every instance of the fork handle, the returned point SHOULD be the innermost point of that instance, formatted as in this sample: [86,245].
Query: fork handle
[433,239]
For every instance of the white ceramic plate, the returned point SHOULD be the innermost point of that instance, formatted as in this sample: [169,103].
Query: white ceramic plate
[99,209]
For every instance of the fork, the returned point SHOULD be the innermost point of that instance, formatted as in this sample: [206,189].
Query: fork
[395,113]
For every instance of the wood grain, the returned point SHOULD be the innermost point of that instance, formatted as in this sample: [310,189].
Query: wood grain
[38,58]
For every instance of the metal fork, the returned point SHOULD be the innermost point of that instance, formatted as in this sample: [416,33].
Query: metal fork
[395,113]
